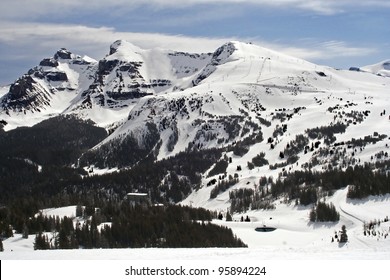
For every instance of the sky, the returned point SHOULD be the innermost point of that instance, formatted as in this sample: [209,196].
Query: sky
[337,33]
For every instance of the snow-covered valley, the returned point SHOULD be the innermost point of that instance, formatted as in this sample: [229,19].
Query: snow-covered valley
[295,237]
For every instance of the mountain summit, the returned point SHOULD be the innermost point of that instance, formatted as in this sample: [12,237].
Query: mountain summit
[381,69]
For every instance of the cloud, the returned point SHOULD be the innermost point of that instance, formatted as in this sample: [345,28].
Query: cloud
[313,49]
[338,48]
[23,45]
[34,10]
[95,41]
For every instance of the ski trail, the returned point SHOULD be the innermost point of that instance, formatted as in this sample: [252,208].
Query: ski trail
[339,199]
[249,69]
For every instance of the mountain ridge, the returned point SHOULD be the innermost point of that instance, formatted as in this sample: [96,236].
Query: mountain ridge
[265,111]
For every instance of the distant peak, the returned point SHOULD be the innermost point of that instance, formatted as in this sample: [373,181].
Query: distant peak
[114,46]
[118,44]
[382,68]
[125,51]
[223,52]
[63,54]
[386,65]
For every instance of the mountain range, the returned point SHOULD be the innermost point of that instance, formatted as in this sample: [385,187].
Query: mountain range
[264,111]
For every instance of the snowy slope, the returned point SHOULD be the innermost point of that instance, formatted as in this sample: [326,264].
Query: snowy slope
[381,69]
[245,83]
[201,101]
[294,238]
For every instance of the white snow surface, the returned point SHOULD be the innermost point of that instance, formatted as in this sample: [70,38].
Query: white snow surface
[295,237]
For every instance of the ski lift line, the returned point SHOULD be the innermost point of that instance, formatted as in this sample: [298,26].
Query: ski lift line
[262,68]
[241,61]
[283,87]
[249,71]
[267,79]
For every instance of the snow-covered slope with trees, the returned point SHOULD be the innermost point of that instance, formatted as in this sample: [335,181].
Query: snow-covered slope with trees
[244,130]
[295,236]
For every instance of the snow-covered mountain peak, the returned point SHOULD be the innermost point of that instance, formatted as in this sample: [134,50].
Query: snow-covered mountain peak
[240,62]
[223,53]
[381,68]
[124,51]
[63,53]
[46,89]
[64,56]
[386,64]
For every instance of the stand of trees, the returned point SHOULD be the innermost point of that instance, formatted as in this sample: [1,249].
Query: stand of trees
[139,226]
[223,185]
[324,212]
[243,200]
[363,181]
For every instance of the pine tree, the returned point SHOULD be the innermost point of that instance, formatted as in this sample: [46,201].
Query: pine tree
[25,231]
[41,242]
[1,245]
[343,236]
[229,217]
[9,232]
[79,210]
[313,215]
[62,241]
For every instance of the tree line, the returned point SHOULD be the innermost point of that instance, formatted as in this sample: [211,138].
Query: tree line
[140,226]
[308,186]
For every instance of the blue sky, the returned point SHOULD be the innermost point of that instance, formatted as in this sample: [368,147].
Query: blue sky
[338,33]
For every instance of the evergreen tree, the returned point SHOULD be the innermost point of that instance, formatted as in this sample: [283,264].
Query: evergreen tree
[308,196]
[41,242]
[324,212]
[25,231]
[8,232]
[1,245]
[79,210]
[343,236]
[62,241]
[229,217]
[313,215]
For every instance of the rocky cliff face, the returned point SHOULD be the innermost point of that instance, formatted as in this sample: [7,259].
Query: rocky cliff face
[33,92]
[220,56]
[69,83]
